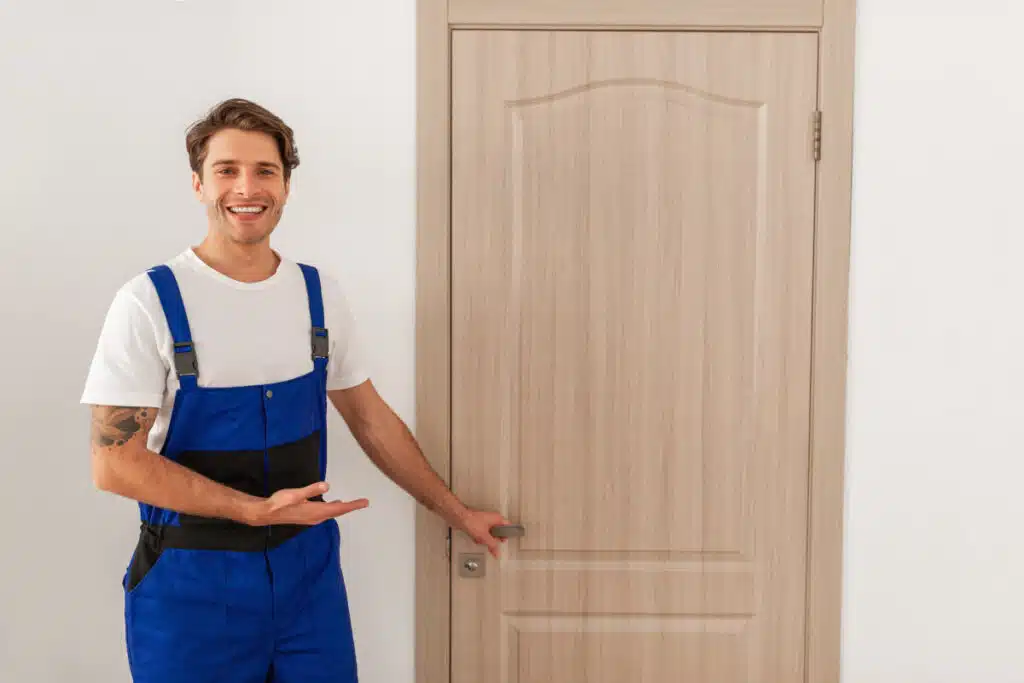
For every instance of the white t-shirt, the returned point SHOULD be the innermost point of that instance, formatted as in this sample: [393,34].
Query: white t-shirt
[244,333]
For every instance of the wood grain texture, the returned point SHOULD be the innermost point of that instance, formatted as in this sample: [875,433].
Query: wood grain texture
[749,14]
[829,370]
[836,22]
[632,250]
[433,343]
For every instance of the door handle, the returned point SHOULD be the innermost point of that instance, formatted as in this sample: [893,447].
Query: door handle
[508,530]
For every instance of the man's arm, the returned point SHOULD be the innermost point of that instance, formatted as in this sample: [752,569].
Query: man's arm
[123,464]
[392,448]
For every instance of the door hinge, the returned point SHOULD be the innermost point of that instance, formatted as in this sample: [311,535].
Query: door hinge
[817,136]
[448,544]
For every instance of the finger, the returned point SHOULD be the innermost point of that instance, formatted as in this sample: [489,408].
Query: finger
[314,490]
[492,543]
[314,512]
[336,508]
[294,496]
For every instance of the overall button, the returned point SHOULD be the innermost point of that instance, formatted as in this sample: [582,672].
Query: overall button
[270,394]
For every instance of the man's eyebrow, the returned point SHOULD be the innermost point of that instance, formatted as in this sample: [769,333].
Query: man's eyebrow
[233,162]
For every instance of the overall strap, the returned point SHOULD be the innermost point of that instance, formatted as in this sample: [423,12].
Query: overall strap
[185,363]
[318,333]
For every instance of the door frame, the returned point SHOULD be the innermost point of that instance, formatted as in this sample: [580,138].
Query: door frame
[834,23]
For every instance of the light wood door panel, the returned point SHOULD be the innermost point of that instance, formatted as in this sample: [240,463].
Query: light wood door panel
[646,13]
[631,268]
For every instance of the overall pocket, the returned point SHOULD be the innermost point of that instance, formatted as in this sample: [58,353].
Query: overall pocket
[144,559]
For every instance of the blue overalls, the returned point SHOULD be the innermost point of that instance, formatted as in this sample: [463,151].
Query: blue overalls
[209,600]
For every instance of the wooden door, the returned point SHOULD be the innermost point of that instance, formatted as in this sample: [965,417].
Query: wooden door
[632,234]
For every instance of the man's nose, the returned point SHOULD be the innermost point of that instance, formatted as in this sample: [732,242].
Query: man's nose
[246,184]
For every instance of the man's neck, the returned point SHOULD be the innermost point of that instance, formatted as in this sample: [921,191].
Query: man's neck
[244,263]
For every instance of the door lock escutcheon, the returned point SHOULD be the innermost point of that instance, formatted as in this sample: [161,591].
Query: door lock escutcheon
[472,565]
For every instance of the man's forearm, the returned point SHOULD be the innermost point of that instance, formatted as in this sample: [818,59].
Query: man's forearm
[148,477]
[122,464]
[391,446]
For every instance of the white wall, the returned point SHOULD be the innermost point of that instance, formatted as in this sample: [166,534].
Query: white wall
[934,557]
[94,99]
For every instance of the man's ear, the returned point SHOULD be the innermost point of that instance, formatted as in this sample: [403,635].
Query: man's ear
[197,185]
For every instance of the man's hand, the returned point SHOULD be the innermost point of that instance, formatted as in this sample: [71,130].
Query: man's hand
[292,506]
[478,524]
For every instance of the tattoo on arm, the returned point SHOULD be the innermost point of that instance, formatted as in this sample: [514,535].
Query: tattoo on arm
[116,426]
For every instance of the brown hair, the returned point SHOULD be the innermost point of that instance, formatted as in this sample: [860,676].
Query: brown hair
[243,115]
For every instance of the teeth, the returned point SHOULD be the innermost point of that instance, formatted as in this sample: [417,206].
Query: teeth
[245,209]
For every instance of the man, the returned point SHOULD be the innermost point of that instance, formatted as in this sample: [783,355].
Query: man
[209,390]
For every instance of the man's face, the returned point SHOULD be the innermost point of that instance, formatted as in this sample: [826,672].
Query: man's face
[243,185]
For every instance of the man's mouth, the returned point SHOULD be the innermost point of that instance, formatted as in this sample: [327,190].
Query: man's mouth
[247,212]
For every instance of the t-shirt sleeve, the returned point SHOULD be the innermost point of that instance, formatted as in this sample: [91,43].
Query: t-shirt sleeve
[347,366]
[127,367]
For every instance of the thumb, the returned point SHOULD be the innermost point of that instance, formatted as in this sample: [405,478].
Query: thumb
[305,493]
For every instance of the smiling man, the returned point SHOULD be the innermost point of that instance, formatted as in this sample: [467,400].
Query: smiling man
[209,390]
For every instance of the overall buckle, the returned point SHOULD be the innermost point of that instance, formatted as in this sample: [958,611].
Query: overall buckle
[320,342]
[185,362]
